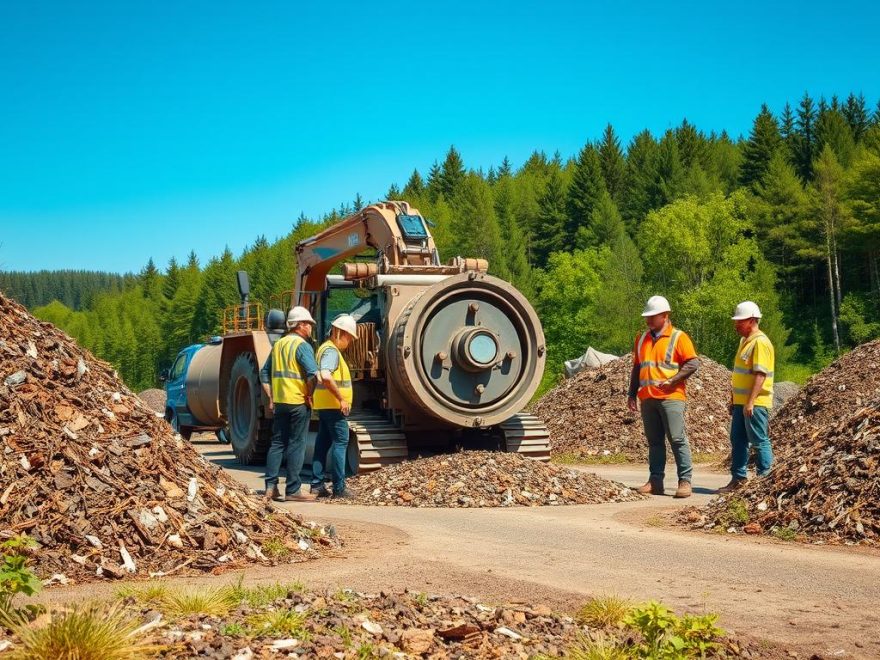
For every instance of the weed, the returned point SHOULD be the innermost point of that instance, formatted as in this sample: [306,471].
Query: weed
[210,602]
[604,648]
[233,630]
[90,633]
[15,575]
[604,612]
[345,635]
[664,635]
[565,458]
[655,521]
[264,594]
[367,651]
[737,513]
[345,596]
[149,594]
[421,599]
[275,548]
[784,533]
[280,623]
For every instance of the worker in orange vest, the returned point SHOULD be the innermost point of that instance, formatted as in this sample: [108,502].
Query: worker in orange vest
[663,359]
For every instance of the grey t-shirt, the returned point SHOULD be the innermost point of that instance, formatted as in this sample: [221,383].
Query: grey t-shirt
[329,359]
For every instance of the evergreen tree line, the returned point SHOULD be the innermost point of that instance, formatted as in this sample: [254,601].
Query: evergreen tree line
[788,216]
[77,289]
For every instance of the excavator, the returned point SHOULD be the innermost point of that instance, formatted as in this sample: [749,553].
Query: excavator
[446,355]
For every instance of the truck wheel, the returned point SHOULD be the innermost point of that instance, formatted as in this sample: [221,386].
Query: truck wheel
[247,433]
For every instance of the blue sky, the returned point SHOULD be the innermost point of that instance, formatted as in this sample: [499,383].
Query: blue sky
[131,130]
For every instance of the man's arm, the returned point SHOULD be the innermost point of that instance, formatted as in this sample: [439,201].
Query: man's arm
[756,390]
[305,357]
[686,371]
[329,363]
[266,380]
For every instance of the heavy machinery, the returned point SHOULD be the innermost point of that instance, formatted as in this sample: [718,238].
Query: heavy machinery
[446,355]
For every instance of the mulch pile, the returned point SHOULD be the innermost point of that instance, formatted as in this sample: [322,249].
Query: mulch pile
[587,415]
[482,479]
[154,400]
[102,484]
[825,483]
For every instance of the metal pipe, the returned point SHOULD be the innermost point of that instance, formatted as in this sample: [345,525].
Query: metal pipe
[387,280]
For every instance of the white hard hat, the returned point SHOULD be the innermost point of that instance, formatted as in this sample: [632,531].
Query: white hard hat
[746,310]
[299,314]
[346,323]
[656,305]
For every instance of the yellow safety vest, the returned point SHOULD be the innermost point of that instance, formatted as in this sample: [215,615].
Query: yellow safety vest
[753,355]
[288,380]
[324,399]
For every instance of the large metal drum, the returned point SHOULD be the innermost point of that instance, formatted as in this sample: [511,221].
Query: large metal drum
[203,385]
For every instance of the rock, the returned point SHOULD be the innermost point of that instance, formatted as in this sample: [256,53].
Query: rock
[417,641]
[16,379]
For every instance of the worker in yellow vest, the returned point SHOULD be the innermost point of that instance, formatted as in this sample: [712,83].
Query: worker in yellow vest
[333,398]
[751,397]
[663,359]
[286,379]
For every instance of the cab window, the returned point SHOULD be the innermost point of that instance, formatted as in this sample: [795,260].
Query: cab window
[177,368]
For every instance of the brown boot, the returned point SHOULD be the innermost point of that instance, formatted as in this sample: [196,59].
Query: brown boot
[272,494]
[684,489]
[734,485]
[653,487]
[299,496]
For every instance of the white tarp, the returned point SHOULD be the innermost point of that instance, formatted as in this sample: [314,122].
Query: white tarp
[592,359]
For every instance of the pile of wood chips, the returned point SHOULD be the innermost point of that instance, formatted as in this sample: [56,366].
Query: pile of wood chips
[102,484]
[587,415]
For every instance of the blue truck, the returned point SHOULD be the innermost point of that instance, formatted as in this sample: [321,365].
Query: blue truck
[190,389]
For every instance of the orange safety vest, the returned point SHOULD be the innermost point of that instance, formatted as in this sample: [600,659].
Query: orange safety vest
[657,361]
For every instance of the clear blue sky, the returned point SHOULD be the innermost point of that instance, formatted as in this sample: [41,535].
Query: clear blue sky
[138,129]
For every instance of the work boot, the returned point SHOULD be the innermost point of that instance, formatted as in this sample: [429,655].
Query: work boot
[299,496]
[684,489]
[653,487]
[734,485]
[272,494]
[321,491]
[344,494]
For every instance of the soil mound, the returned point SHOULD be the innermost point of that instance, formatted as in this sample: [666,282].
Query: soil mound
[101,483]
[587,415]
[483,479]
[154,400]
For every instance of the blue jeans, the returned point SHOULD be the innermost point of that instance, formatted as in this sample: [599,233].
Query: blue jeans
[333,440]
[664,418]
[754,431]
[289,427]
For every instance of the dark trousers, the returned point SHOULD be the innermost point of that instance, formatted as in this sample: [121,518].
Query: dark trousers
[289,428]
[333,439]
[664,419]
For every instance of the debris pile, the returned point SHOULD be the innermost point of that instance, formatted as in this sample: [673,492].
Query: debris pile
[587,415]
[154,400]
[483,479]
[826,489]
[102,484]
[844,386]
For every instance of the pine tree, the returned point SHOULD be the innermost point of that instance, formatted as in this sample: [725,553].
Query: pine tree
[415,187]
[549,232]
[149,279]
[172,279]
[833,130]
[670,181]
[514,240]
[856,113]
[763,142]
[641,173]
[474,224]
[452,173]
[613,163]
[504,169]
[691,145]
[393,192]
[876,118]
[358,202]
[433,187]
[587,185]
[788,132]
[606,226]
[805,142]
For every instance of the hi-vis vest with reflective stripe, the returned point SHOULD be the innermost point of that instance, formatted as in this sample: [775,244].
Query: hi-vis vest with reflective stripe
[753,355]
[288,380]
[324,399]
[657,362]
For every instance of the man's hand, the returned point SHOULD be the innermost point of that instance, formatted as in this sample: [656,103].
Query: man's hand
[309,401]
[345,407]
[667,385]
[271,405]
[632,404]
[749,408]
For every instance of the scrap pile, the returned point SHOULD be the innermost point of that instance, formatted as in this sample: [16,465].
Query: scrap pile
[101,483]
[483,479]
[844,386]
[825,489]
[154,399]
[587,415]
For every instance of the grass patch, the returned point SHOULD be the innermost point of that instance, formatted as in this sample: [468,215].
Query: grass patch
[264,594]
[367,651]
[233,630]
[344,596]
[149,594]
[784,533]
[89,633]
[604,611]
[794,372]
[420,599]
[280,623]
[737,513]
[655,521]
[711,457]
[208,602]
[571,458]
[345,635]
[603,648]
[275,548]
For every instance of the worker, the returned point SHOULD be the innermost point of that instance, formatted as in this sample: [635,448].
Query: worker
[333,399]
[751,397]
[287,378]
[663,359]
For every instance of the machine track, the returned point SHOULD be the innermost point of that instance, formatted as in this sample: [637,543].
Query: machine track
[379,442]
[527,435]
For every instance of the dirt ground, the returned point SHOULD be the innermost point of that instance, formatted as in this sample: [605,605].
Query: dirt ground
[811,599]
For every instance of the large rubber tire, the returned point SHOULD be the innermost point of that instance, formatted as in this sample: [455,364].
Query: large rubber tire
[248,433]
